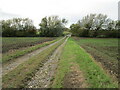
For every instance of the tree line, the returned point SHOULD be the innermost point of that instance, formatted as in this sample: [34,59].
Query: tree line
[18,27]
[92,25]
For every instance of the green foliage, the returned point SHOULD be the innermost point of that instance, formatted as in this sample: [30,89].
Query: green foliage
[104,33]
[95,26]
[52,26]
[66,33]
[18,27]
[75,29]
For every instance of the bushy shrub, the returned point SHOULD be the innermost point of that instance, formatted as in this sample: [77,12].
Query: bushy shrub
[101,36]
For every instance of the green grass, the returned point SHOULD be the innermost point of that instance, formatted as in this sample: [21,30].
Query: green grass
[66,32]
[104,50]
[10,56]
[107,46]
[19,76]
[95,75]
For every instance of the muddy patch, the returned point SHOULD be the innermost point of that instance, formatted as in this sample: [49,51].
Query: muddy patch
[75,78]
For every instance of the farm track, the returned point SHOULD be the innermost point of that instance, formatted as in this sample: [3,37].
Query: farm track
[7,67]
[45,75]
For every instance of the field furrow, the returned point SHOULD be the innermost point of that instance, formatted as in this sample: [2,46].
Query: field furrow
[77,69]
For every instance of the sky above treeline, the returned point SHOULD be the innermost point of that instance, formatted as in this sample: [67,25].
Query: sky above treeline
[72,10]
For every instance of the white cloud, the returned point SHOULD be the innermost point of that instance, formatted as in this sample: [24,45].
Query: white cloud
[70,9]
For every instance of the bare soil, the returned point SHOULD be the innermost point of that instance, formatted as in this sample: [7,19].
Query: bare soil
[75,78]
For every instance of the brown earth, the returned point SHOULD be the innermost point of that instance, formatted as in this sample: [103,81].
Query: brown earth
[75,78]
[13,47]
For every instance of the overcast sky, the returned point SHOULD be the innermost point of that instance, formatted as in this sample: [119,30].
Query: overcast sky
[73,10]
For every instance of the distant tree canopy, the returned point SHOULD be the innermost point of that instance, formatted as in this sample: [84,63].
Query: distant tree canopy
[95,26]
[52,26]
[18,27]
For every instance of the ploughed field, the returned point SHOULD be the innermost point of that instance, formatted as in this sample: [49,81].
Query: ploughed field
[11,43]
[104,50]
[78,69]
[13,47]
[64,62]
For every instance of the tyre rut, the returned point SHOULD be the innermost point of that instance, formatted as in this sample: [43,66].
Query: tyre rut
[44,76]
[14,63]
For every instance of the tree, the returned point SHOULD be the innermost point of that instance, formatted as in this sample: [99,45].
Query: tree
[7,29]
[117,27]
[18,27]
[94,25]
[52,26]
[111,25]
[64,21]
[87,21]
[75,29]
[99,21]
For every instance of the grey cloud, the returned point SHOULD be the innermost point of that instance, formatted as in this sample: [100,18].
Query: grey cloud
[5,15]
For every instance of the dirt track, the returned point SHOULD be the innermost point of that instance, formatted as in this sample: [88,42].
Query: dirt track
[43,78]
[14,63]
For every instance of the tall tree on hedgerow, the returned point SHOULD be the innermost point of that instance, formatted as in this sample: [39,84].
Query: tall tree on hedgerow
[52,26]
[18,27]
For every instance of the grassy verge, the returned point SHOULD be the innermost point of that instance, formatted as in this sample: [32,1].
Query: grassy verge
[17,53]
[94,74]
[19,76]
